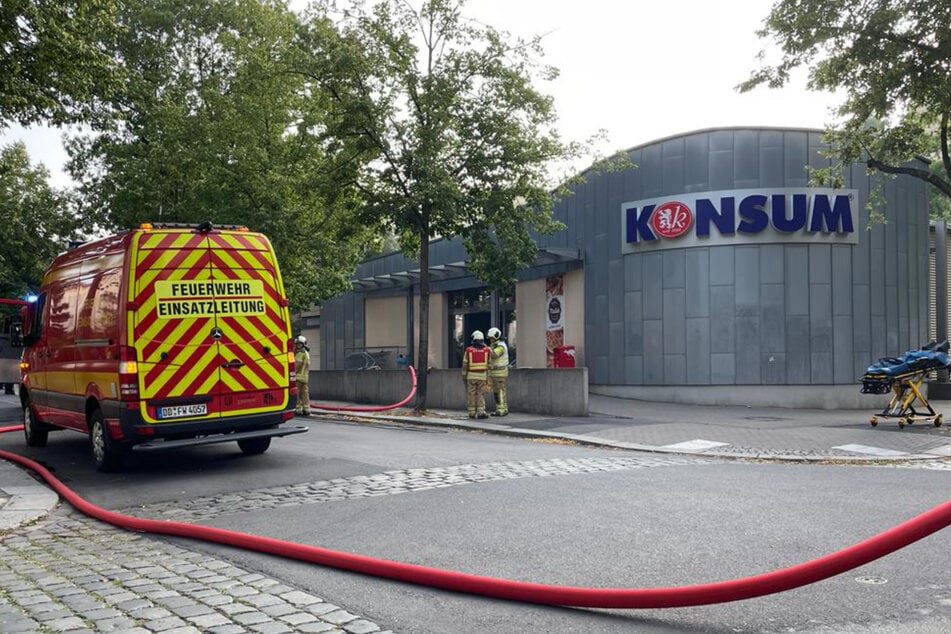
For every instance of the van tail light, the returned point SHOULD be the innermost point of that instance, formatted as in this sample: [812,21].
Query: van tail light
[291,366]
[128,375]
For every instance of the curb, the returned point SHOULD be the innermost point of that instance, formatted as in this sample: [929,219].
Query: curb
[25,504]
[521,432]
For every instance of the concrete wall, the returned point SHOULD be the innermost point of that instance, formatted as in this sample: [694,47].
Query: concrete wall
[530,309]
[556,392]
[574,313]
[438,320]
[530,306]
[388,316]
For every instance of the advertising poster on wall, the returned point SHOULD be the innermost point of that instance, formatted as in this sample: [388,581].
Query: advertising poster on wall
[554,316]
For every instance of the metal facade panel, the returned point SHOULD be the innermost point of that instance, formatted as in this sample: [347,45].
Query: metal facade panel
[773,366]
[675,321]
[616,361]
[653,352]
[747,349]
[841,281]
[747,280]
[797,354]
[797,281]
[698,351]
[861,322]
[634,370]
[795,157]
[615,283]
[820,264]
[698,283]
[773,318]
[674,177]
[633,334]
[746,159]
[842,349]
[722,319]
[675,274]
[653,285]
[675,369]
[772,264]
[632,272]
[721,265]
[696,165]
[722,369]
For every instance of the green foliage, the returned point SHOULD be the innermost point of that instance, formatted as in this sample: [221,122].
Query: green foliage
[35,219]
[890,59]
[56,59]
[465,139]
[215,123]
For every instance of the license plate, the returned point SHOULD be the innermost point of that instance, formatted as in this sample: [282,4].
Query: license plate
[183,411]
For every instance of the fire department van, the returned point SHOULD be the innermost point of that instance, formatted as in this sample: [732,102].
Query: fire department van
[160,337]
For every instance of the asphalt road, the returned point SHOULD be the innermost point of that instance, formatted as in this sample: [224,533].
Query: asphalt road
[550,513]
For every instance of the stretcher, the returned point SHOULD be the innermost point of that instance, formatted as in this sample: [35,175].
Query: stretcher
[903,377]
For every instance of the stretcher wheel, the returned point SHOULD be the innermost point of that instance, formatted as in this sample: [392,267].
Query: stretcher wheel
[873,421]
[938,420]
[901,423]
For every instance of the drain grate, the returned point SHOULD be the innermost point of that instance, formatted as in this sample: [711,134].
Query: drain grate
[872,581]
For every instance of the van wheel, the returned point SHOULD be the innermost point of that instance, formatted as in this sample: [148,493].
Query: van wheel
[254,446]
[36,433]
[106,452]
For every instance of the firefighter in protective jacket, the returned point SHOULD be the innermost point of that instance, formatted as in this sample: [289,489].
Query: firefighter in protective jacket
[499,371]
[302,364]
[475,373]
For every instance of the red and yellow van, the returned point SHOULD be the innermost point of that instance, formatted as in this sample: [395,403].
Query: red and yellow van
[161,337]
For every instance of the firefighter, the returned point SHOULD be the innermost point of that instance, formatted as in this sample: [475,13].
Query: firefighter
[499,371]
[302,368]
[475,373]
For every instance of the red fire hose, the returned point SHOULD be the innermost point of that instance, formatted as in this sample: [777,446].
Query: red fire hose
[802,574]
[371,408]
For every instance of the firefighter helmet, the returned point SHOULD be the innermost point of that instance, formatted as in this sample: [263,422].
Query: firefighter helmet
[494,333]
[301,339]
[478,336]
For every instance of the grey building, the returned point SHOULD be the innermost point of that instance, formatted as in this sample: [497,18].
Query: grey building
[712,272]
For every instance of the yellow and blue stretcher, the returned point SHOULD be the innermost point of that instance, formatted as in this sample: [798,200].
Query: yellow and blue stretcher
[903,377]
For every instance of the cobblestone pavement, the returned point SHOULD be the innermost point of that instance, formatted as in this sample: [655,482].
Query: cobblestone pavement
[69,573]
[391,483]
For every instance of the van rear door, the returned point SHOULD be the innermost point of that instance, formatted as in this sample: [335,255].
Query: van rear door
[208,325]
[253,321]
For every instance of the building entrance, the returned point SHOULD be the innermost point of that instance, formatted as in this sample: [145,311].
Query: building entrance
[471,310]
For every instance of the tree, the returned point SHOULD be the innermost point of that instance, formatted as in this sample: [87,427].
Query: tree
[56,59]
[36,225]
[212,124]
[464,139]
[892,61]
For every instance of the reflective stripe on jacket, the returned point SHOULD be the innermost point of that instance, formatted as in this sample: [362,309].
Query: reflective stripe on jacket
[499,365]
[475,362]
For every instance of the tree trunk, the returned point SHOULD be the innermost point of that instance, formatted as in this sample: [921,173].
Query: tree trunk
[422,363]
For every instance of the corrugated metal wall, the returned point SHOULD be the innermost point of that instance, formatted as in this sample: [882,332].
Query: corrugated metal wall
[932,305]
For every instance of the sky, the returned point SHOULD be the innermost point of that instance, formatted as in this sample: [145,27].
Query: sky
[639,70]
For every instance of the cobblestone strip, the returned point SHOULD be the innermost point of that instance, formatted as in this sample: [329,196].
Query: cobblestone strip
[73,574]
[931,465]
[391,483]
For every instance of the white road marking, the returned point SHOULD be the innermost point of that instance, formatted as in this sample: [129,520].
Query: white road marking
[944,450]
[696,445]
[874,451]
